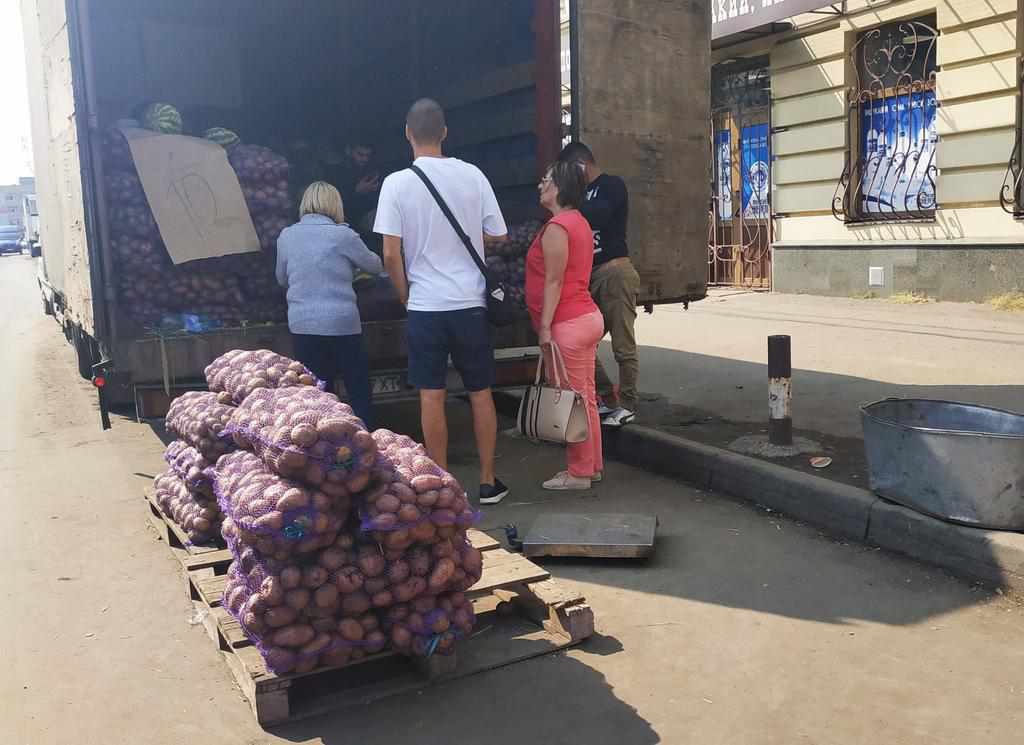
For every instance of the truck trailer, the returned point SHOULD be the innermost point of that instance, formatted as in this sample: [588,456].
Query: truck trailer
[303,78]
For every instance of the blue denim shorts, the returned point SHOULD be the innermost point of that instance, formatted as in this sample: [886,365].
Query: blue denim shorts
[465,335]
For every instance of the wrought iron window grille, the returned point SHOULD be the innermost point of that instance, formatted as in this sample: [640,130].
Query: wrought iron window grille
[890,173]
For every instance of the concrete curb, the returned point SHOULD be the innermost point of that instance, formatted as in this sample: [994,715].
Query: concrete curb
[991,556]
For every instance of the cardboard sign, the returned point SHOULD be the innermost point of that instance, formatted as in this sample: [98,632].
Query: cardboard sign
[194,194]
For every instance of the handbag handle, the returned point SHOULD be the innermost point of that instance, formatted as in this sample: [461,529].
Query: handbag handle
[557,361]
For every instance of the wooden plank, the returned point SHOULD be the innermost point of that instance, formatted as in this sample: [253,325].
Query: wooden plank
[217,559]
[807,49]
[502,569]
[211,589]
[813,197]
[971,186]
[810,79]
[810,167]
[814,107]
[976,80]
[482,541]
[827,136]
[972,116]
[989,148]
[977,43]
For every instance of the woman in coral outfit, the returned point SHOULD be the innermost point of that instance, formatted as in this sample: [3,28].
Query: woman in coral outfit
[558,269]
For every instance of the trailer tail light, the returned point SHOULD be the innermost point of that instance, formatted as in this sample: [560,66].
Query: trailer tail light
[99,381]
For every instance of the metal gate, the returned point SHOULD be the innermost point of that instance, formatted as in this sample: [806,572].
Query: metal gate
[740,229]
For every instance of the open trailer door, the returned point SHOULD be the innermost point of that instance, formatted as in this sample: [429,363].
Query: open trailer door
[641,101]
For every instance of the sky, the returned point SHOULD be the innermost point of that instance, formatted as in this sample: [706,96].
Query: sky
[15,148]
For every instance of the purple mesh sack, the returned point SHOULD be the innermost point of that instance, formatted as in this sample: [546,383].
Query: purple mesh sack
[413,495]
[236,374]
[276,516]
[307,435]
[430,624]
[198,419]
[191,467]
[191,510]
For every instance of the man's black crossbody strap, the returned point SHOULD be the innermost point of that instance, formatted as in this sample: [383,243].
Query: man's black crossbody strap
[451,218]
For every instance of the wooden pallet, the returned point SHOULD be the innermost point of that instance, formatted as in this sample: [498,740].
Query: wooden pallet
[521,613]
[176,538]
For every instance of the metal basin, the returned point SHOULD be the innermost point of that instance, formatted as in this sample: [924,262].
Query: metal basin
[955,461]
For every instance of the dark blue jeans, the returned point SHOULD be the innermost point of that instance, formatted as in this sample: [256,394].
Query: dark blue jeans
[329,356]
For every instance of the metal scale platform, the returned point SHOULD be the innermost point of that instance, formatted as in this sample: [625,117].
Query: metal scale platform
[604,536]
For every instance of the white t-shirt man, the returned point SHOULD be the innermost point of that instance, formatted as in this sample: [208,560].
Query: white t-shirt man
[442,276]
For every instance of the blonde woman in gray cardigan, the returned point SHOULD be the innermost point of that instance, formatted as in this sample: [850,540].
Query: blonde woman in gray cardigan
[317,259]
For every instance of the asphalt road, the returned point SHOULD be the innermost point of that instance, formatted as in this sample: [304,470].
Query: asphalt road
[744,628]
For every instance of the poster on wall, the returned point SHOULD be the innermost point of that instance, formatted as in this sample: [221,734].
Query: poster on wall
[754,159]
[723,156]
[898,141]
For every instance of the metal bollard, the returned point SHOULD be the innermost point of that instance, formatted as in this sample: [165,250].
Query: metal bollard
[780,391]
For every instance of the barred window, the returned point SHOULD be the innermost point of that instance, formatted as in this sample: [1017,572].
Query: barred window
[1011,196]
[890,170]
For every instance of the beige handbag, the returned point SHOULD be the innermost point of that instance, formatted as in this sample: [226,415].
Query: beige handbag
[553,413]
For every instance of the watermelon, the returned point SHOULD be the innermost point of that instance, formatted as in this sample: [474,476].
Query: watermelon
[223,137]
[162,117]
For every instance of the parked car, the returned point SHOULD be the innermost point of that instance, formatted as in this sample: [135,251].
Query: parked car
[10,239]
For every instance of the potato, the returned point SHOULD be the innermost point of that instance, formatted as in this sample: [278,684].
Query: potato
[355,603]
[291,577]
[441,574]
[375,642]
[304,435]
[272,591]
[382,599]
[272,522]
[280,660]
[293,499]
[426,482]
[371,563]
[441,517]
[306,664]
[320,643]
[298,599]
[423,532]
[351,630]
[349,579]
[358,482]
[428,498]
[388,503]
[314,576]
[327,623]
[326,596]
[409,514]
[337,655]
[296,635]
[384,521]
[332,559]
[401,637]
[398,572]
[445,498]
[280,616]
[404,493]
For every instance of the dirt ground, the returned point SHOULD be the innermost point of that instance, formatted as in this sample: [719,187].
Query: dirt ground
[743,628]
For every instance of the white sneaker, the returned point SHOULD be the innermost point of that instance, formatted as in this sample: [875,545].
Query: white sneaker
[597,478]
[564,481]
[618,418]
[603,409]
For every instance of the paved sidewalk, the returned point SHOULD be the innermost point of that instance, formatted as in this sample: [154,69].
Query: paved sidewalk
[712,358]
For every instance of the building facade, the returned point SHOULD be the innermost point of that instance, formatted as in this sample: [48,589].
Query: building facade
[868,146]
[12,201]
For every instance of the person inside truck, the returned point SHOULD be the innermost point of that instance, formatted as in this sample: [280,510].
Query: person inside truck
[358,179]
[441,286]
[614,283]
[316,261]
[558,267]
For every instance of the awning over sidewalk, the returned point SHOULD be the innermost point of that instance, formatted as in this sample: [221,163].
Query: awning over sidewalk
[736,16]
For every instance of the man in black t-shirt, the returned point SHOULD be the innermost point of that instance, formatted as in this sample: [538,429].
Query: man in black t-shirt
[614,283]
[358,180]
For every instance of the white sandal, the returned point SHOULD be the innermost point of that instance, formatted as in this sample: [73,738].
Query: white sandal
[564,481]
